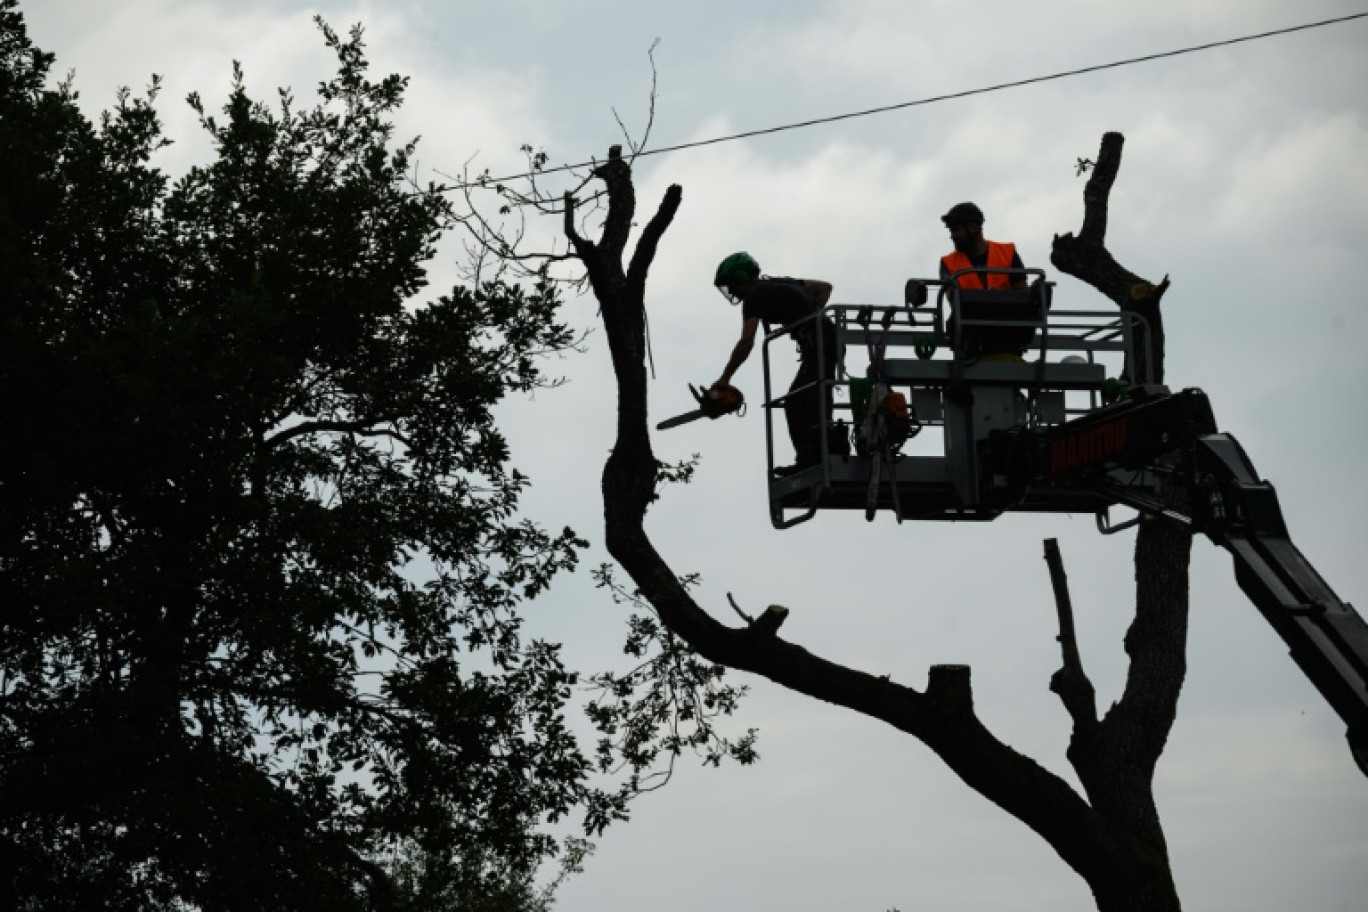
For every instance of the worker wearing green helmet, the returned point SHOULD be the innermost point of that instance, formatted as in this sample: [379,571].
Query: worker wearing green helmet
[786,302]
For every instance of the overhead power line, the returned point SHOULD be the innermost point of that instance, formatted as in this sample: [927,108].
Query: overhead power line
[1063,74]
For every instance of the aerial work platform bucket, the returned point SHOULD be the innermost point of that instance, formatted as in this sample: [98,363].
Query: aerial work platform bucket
[972,364]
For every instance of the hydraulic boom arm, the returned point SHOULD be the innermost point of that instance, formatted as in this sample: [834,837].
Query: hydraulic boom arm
[1157,431]
[1327,637]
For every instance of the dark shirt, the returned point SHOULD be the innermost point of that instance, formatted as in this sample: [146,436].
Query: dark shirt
[778,302]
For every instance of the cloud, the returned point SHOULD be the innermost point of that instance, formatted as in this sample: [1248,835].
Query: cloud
[461,112]
[1308,182]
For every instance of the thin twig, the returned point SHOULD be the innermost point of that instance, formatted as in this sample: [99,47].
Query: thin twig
[745,617]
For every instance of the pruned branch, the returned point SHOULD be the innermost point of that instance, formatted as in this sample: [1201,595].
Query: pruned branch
[616,174]
[571,233]
[1097,192]
[949,689]
[1070,682]
[1085,257]
[650,239]
[768,624]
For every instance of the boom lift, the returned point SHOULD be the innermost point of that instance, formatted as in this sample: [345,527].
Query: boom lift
[1028,420]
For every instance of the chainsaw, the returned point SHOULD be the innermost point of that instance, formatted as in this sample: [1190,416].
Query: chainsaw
[712,403]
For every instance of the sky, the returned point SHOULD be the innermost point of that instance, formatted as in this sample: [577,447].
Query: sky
[1245,180]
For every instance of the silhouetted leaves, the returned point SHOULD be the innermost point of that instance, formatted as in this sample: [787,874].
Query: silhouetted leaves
[259,548]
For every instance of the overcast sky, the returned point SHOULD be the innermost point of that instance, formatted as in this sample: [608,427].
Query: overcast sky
[1245,179]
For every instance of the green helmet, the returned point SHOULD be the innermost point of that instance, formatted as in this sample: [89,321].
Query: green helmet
[737,269]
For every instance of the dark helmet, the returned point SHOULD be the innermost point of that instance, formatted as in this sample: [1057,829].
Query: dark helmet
[963,214]
[737,269]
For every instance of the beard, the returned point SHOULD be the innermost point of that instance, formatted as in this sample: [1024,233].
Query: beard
[967,243]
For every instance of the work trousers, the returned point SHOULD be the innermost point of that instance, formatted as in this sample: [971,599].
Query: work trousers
[803,410]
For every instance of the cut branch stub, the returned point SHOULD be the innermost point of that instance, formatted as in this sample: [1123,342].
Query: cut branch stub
[580,244]
[948,688]
[616,174]
[767,624]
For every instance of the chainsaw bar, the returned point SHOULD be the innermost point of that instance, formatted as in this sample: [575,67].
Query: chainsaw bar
[677,420]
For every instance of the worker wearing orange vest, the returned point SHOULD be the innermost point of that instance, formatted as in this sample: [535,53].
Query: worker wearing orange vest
[965,222]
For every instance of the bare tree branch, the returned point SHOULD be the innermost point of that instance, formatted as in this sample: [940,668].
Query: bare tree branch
[617,226]
[636,147]
[650,239]
[737,608]
[362,426]
[490,239]
[1086,257]
[570,232]
[1070,682]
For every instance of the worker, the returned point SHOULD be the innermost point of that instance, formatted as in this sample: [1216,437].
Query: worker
[785,302]
[965,222]
[973,250]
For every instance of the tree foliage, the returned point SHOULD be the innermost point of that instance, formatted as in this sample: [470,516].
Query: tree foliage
[260,554]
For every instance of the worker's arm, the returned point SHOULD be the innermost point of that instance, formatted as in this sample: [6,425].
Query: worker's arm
[741,351]
[818,290]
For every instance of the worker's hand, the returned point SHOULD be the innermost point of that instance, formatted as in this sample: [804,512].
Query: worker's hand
[719,385]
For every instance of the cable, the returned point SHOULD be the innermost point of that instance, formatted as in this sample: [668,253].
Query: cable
[934,98]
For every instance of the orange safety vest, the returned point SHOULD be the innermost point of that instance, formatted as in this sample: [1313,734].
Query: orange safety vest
[999,257]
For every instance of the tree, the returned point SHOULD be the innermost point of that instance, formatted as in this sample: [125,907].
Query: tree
[260,555]
[1111,835]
